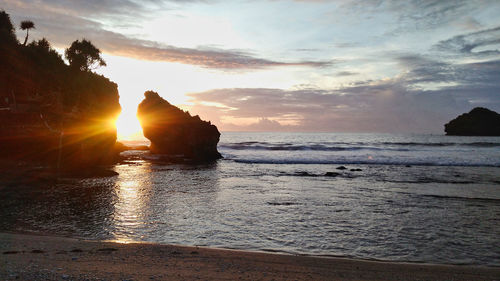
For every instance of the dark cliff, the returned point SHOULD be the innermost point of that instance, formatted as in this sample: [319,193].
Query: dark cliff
[175,132]
[50,112]
[478,122]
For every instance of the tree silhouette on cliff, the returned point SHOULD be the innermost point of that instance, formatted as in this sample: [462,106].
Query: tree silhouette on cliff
[27,25]
[41,96]
[83,55]
[6,29]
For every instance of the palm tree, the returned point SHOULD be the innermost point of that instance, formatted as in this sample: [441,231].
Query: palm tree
[27,25]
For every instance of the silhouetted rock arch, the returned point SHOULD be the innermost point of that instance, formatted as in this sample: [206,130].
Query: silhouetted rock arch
[175,132]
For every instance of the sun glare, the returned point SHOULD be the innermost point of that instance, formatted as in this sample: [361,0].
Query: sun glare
[128,126]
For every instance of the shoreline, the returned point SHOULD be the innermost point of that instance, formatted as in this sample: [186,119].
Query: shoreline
[258,251]
[34,257]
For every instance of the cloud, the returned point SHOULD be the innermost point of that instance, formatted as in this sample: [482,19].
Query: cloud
[400,104]
[477,44]
[202,56]
[70,26]
[420,69]
[87,9]
[401,18]
[385,107]
[346,73]
[471,24]
[347,45]
[307,50]
[262,125]
[90,8]
[402,92]
[429,14]
[416,15]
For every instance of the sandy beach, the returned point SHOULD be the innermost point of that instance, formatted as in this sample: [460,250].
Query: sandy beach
[30,257]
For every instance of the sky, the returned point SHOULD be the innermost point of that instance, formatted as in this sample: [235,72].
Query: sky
[383,66]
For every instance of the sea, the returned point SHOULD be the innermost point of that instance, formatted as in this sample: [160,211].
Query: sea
[390,197]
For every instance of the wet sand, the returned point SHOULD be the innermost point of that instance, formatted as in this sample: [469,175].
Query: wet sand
[31,257]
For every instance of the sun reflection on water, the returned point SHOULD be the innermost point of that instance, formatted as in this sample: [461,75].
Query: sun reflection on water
[132,189]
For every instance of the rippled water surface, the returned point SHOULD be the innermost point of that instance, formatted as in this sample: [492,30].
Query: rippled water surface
[436,199]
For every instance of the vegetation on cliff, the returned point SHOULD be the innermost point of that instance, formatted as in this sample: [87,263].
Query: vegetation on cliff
[51,111]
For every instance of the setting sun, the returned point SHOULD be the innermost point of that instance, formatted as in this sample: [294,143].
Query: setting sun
[284,139]
[128,126]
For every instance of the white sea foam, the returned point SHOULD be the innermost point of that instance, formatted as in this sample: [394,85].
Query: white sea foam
[286,148]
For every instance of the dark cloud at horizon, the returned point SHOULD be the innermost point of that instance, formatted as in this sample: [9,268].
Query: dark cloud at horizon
[394,105]
[380,108]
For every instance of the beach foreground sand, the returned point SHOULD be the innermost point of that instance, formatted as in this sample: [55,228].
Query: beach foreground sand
[30,257]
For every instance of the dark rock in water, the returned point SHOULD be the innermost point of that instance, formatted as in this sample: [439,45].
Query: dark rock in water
[356,170]
[140,147]
[341,168]
[175,132]
[282,203]
[478,122]
[331,174]
[120,147]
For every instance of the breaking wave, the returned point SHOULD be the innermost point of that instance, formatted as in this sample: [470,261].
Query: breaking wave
[396,162]
[342,146]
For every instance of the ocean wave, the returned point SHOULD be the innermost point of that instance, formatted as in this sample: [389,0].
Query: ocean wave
[315,147]
[394,162]
[440,144]
[343,146]
[458,197]
[431,180]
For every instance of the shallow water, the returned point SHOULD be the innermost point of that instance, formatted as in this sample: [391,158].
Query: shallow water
[399,212]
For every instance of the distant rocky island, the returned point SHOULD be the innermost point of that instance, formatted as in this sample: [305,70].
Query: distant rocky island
[478,122]
[52,113]
[175,133]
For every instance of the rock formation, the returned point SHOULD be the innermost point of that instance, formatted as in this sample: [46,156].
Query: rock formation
[50,113]
[478,122]
[175,132]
